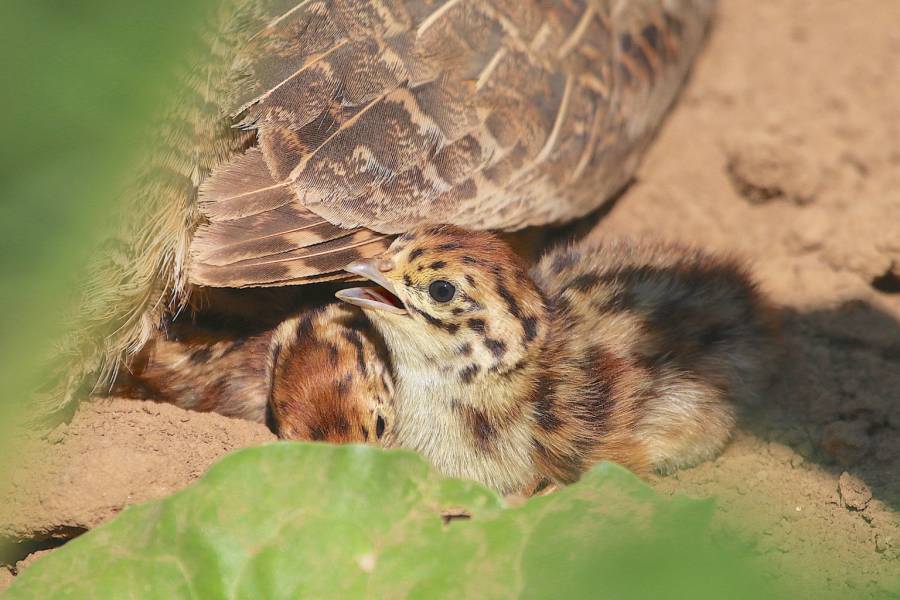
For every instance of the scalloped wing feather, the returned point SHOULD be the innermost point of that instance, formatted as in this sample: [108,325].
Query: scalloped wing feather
[256,233]
[380,115]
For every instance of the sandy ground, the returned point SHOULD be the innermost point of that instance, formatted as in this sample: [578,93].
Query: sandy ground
[113,453]
[784,148]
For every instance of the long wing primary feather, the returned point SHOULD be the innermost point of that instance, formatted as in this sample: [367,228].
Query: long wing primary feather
[255,232]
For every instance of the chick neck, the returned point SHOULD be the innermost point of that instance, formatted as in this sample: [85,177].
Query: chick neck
[463,398]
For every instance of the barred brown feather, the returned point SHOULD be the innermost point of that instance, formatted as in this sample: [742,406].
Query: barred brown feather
[380,115]
[261,235]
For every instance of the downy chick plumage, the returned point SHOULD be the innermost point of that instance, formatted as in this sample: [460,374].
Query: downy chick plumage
[320,375]
[626,351]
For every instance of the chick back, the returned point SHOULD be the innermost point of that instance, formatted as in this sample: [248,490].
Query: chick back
[202,371]
[654,343]
[318,375]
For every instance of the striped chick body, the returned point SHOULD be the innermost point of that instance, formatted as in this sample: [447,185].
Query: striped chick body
[202,371]
[321,375]
[627,352]
[329,378]
[651,347]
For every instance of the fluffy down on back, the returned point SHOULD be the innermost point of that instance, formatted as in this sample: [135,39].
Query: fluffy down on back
[673,337]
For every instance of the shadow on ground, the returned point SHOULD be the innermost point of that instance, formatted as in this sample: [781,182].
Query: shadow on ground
[835,398]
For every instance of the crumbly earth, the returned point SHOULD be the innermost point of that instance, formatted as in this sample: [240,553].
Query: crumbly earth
[113,453]
[784,148]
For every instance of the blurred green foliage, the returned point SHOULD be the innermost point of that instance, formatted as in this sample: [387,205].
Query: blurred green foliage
[82,80]
[292,520]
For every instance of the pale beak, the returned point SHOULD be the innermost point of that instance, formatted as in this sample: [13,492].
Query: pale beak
[382,298]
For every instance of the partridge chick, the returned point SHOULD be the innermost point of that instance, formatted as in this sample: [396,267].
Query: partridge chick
[320,375]
[630,352]
[329,378]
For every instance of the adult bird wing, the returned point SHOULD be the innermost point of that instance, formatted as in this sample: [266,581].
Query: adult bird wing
[374,116]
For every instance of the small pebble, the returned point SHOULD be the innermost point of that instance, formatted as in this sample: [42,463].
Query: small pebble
[57,435]
[794,514]
[764,169]
[855,495]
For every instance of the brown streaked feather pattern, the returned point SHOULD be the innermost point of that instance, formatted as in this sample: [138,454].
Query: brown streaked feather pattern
[382,115]
[632,352]
[329,378]
[303,265]
[206,372]
[261,236]
[320,375]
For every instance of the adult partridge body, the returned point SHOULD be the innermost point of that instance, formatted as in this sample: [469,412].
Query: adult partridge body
[376,116]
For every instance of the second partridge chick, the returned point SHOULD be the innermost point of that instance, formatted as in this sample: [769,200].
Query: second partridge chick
[320,375]
[628,352]
[329,378]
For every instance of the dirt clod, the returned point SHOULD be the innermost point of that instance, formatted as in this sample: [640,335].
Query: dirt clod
[764,170]
[883,543]
[781,453]
[57,434]
[854,493]
[889,281]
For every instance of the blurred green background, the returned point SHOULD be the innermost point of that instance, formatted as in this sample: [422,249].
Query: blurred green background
[82,82]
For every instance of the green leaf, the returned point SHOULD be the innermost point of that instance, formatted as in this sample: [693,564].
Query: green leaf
[293,520]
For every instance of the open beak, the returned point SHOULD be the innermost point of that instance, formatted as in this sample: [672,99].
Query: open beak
[382,298]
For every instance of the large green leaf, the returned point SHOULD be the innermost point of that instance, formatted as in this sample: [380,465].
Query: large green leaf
[294,520]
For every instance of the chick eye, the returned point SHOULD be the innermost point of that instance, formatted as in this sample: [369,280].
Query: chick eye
[442,291]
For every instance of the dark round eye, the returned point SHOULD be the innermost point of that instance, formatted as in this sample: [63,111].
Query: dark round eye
[442,291]
[379,427]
